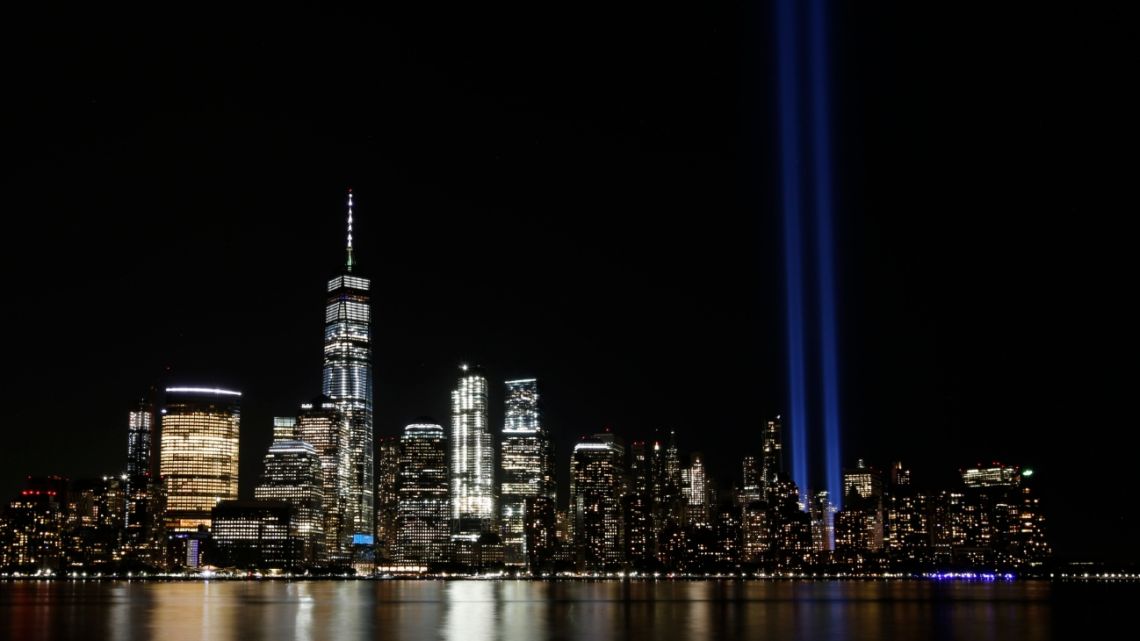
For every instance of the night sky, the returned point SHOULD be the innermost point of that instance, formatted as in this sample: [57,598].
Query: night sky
[586,194]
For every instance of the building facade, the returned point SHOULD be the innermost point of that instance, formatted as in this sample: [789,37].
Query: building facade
[526,465]
[387,494]
[292,473]
[198,459]
[254,534]
[321,424]
[596,489]
[140,440]
[423,510]
[472,457]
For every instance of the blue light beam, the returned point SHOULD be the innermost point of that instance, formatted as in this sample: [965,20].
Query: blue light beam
[791,189]
[825,249]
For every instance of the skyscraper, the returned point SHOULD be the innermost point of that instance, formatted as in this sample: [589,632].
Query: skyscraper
[472,457]
[527,465]
[199,453]
[423,525]
[697,490]
[387,493]
[771,458]
[292,473]
[322,425]
[140,432]
[637,509]
[596,483]
[140,438]
[347,381]
[750,486]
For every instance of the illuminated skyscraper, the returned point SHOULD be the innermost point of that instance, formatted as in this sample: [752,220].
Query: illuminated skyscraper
[292,474]
[637,509]
[387,493]
[423,523]
[140,434]
[771,458]
[472,457]
[596,484]
[140,438]
[694,481]
[199,453]
[750,486]
[527,465]
[322,425]
[348,381]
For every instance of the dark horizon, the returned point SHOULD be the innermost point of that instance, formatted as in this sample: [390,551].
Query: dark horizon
[585,197]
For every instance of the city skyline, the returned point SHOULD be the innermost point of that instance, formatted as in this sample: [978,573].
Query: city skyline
[607,220]
[491,499]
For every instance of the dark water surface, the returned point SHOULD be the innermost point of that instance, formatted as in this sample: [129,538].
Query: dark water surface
[531,611]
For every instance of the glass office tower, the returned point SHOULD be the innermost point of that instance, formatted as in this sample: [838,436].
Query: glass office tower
[347,381]
[526,465]
[198,459]
[472,457]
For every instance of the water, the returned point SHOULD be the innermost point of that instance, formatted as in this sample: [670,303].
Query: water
[532,611]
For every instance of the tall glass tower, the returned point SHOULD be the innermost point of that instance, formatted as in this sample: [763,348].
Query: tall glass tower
[199,453]
[140,431]
[423,515]
[321,425]
[771,460]
[526,464]
[140,438]
[348,381]
[472,457]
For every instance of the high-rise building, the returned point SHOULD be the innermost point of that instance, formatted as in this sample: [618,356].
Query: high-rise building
[822,512]
[755,523]
[526,464]
[199,453]
[347,382]
[292,473]
[862,516]
[771,458]
[472,457]
[387,493]
[750,484]
[694,480]
[321,424]
[140,432]
[423,512]
[596,485]
[638,508]
[541,528]
[140,438]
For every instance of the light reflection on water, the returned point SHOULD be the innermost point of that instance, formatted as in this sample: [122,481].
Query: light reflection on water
[531,611]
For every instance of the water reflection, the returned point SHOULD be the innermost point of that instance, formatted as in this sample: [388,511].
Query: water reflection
[532,611]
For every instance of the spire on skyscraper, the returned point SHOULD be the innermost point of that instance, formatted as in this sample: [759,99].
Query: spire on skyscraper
[349,259]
